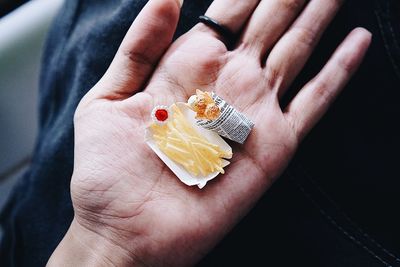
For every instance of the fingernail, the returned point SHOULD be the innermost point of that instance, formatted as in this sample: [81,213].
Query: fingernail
[180,2]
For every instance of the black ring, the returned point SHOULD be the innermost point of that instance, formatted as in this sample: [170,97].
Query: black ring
[220,29]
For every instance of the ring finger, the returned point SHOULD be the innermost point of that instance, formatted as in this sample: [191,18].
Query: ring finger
[291,52]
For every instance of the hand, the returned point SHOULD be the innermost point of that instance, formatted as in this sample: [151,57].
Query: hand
[129,207]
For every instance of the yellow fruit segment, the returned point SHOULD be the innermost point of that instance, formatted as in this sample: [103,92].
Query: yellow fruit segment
[180,141]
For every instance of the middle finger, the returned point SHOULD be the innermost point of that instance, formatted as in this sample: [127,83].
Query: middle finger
[268,22]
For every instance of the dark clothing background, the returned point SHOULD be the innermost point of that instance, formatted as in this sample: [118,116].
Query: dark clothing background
[6,6]
[337,203]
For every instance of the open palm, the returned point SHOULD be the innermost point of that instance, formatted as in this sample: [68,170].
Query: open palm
[124,193]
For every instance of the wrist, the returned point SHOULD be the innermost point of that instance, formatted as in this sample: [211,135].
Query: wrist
[83,247]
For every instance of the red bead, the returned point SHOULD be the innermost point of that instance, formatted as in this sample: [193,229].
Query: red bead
[161,114]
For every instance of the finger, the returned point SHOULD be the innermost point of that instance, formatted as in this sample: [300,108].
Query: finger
[313,100]
[233,14]
[268,22]
[144,44]
[297,44]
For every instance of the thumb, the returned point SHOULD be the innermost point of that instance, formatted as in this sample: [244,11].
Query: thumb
[146,41]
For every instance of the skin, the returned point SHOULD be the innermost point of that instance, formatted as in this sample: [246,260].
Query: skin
[130,209]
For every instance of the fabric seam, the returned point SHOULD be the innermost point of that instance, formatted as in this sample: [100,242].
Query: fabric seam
[335,223]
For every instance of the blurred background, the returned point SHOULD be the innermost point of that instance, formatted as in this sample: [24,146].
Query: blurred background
[6,6]
[23,28]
